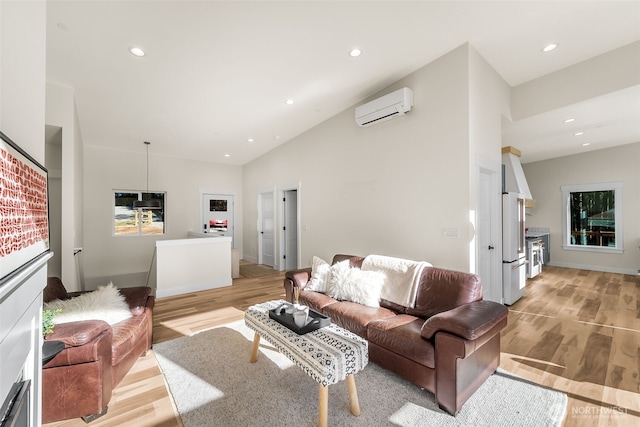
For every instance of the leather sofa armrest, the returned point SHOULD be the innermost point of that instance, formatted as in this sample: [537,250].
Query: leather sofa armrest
[293,278]
[469,321]
[85,342]
[137,298]
[75,334]
[299,277]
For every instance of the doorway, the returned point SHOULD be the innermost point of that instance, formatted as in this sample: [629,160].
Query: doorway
[218,215]
[266,229]
[53,163]
[489,230]
[289,236]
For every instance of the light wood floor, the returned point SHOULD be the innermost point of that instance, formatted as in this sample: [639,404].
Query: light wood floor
[576,331]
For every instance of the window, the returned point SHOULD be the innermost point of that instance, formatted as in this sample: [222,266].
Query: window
[593,217]
[128,221]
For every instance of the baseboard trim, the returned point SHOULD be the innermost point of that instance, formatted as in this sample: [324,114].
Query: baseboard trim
[593,268]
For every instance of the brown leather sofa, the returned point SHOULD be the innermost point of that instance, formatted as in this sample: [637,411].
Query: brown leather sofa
[79,380]
[449,343]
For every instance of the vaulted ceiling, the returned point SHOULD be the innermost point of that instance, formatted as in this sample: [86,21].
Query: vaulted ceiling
[216,74]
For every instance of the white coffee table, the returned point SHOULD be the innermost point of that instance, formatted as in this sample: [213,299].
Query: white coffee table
[327,355]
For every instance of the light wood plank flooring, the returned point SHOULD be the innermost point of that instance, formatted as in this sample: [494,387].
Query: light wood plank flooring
[576,331]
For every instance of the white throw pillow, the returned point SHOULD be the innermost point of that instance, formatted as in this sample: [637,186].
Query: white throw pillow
[320,274]
[105,303]
[338,277]
[353,284]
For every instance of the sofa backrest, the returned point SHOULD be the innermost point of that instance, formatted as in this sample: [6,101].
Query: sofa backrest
[354,260]
[54,290]
[441,290]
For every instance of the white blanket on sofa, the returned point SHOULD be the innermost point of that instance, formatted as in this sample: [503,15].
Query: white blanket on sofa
[403,277]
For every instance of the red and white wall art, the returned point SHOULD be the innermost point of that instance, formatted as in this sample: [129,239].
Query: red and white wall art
[24,214]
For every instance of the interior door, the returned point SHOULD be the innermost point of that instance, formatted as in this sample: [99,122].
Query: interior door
[218,215]
[266,238]
[290,229]
[489,233]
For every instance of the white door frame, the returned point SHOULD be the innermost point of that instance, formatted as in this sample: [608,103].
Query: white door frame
[281,193]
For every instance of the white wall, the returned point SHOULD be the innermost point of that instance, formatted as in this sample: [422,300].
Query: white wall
[545,179]
[390,188]
[61,112]
[125,260]
[22,74]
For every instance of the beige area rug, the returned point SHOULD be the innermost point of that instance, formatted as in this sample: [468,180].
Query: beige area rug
[213,384]
[256,270]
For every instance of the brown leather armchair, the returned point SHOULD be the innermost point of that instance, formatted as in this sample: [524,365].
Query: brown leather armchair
[78,381]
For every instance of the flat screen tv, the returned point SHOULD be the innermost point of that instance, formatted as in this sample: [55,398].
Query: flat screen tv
[24,208]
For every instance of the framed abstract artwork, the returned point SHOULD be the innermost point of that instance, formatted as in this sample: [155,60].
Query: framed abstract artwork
[24,208]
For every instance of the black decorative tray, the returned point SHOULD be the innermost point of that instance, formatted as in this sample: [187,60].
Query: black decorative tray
[315,320]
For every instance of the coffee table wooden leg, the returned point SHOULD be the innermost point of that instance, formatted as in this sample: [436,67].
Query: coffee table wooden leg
[323,412]
[353,395]
[254,350]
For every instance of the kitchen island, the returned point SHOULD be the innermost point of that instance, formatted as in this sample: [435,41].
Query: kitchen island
[190,265]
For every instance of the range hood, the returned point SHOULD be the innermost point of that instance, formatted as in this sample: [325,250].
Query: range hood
[514,179]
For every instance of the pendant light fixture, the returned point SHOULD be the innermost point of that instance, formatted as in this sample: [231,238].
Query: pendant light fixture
[152,203]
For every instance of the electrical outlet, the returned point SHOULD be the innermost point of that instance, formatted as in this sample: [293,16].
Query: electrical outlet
[450,233]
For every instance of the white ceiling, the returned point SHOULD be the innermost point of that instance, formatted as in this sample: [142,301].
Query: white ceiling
[217,73]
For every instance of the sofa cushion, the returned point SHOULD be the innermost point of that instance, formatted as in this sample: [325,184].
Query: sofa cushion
[315,300]
[401,334]
[355,285]
[441,290]
[354,316]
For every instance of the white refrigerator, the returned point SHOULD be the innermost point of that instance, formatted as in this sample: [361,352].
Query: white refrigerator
[514,263]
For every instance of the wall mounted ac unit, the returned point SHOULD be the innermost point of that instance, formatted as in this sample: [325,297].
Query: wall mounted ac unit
[385,108]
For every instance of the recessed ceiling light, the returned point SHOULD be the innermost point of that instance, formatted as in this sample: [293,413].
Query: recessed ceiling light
[578,133]
[136,51]
[289,102]
[569,120]
[227,155]
[250,140]
[586,144]
[549,47]
[355,52]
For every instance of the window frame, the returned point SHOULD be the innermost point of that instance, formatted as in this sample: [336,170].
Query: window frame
[139,232]
[616,187]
